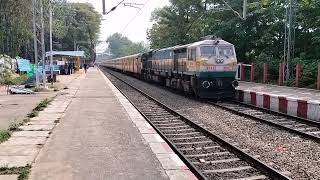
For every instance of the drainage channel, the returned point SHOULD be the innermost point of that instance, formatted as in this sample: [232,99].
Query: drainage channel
[207,155]
[302,127]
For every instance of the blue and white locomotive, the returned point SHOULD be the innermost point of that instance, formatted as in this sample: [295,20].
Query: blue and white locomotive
[206,68]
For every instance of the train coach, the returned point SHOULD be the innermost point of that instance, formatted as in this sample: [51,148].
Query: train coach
[206,68]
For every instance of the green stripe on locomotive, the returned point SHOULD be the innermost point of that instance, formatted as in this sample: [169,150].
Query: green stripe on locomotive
[222,74]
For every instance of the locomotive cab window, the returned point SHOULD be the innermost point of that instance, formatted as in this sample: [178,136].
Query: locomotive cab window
[226,51]
[208,51]
[192,54]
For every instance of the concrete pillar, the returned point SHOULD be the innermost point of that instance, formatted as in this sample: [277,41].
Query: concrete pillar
[265,73]
[280,80]
[242,72]
[298,74]
[252,71]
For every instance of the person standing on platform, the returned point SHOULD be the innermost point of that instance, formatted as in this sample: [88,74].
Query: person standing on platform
[85,66]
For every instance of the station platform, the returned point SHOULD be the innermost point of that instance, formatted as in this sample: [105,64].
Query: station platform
[300,102]
[102,136]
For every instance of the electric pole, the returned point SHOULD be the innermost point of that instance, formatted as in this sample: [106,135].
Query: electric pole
[43,49]
[245,4]
[289,43]
[35,39]
[51,48]
[38,38]
[104,7]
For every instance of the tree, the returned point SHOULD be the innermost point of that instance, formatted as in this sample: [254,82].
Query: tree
[121,46]
[15,31]
[80,20]
[77,25]
[8,78]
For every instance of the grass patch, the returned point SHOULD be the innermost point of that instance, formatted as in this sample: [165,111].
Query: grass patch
[15,126]
[38,89]
[23,172]
[4,135]
[40,107]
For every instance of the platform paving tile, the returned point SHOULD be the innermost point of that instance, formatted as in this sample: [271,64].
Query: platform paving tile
[181,175]
[55,110]
[153,138]
[9,177]
[18,150]
[144,130]
[16,161]
[30,134]
[46,114]
[46,117]
[42,122]
[40,127]
[25,141]
[141,124]
[171,161]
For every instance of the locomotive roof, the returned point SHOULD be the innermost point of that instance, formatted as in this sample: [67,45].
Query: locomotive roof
[204,42]
[210,42]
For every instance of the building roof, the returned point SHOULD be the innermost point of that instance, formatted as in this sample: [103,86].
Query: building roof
[66,53]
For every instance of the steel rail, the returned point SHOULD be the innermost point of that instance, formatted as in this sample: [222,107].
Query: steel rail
[275,124]
[264,168]
[300,119]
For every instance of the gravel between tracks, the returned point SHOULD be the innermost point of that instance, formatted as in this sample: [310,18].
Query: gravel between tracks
[283,150]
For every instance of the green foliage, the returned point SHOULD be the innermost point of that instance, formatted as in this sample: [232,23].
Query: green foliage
[76,24]
[72,23]
[121,46]
[7,77]
[15,126]
[40,107]
[4,135]
[15,31]
[22,171]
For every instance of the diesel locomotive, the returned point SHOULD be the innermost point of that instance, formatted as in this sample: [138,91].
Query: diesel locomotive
[206,68]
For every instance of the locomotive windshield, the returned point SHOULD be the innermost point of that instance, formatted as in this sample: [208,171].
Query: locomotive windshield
[207,51]
[225,51]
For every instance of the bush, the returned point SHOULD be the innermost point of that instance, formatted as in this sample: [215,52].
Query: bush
[8,78]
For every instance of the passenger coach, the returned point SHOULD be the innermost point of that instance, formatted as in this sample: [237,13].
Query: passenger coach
[206,68]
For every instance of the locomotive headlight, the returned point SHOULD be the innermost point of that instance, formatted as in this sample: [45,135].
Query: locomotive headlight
[235,84]
[219,61]
[206,84]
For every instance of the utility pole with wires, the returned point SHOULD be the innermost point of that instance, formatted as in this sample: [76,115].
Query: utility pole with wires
[38,38]
[289,37]
[51,44]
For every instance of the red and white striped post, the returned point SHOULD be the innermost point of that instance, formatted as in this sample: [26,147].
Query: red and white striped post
[265,73]
[252,72]
[318,78]
[280,80]
[242,72]
[298,74]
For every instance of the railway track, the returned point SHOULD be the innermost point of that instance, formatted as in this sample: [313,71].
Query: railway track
[303,127]
[207,155]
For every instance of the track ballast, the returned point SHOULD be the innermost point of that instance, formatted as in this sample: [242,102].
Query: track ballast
[207,155]
[303,127]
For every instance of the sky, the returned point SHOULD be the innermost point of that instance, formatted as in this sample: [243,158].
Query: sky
[117,20]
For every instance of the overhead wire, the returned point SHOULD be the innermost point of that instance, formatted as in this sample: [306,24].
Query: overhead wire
[134,17]
[114,7]
[234,11]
